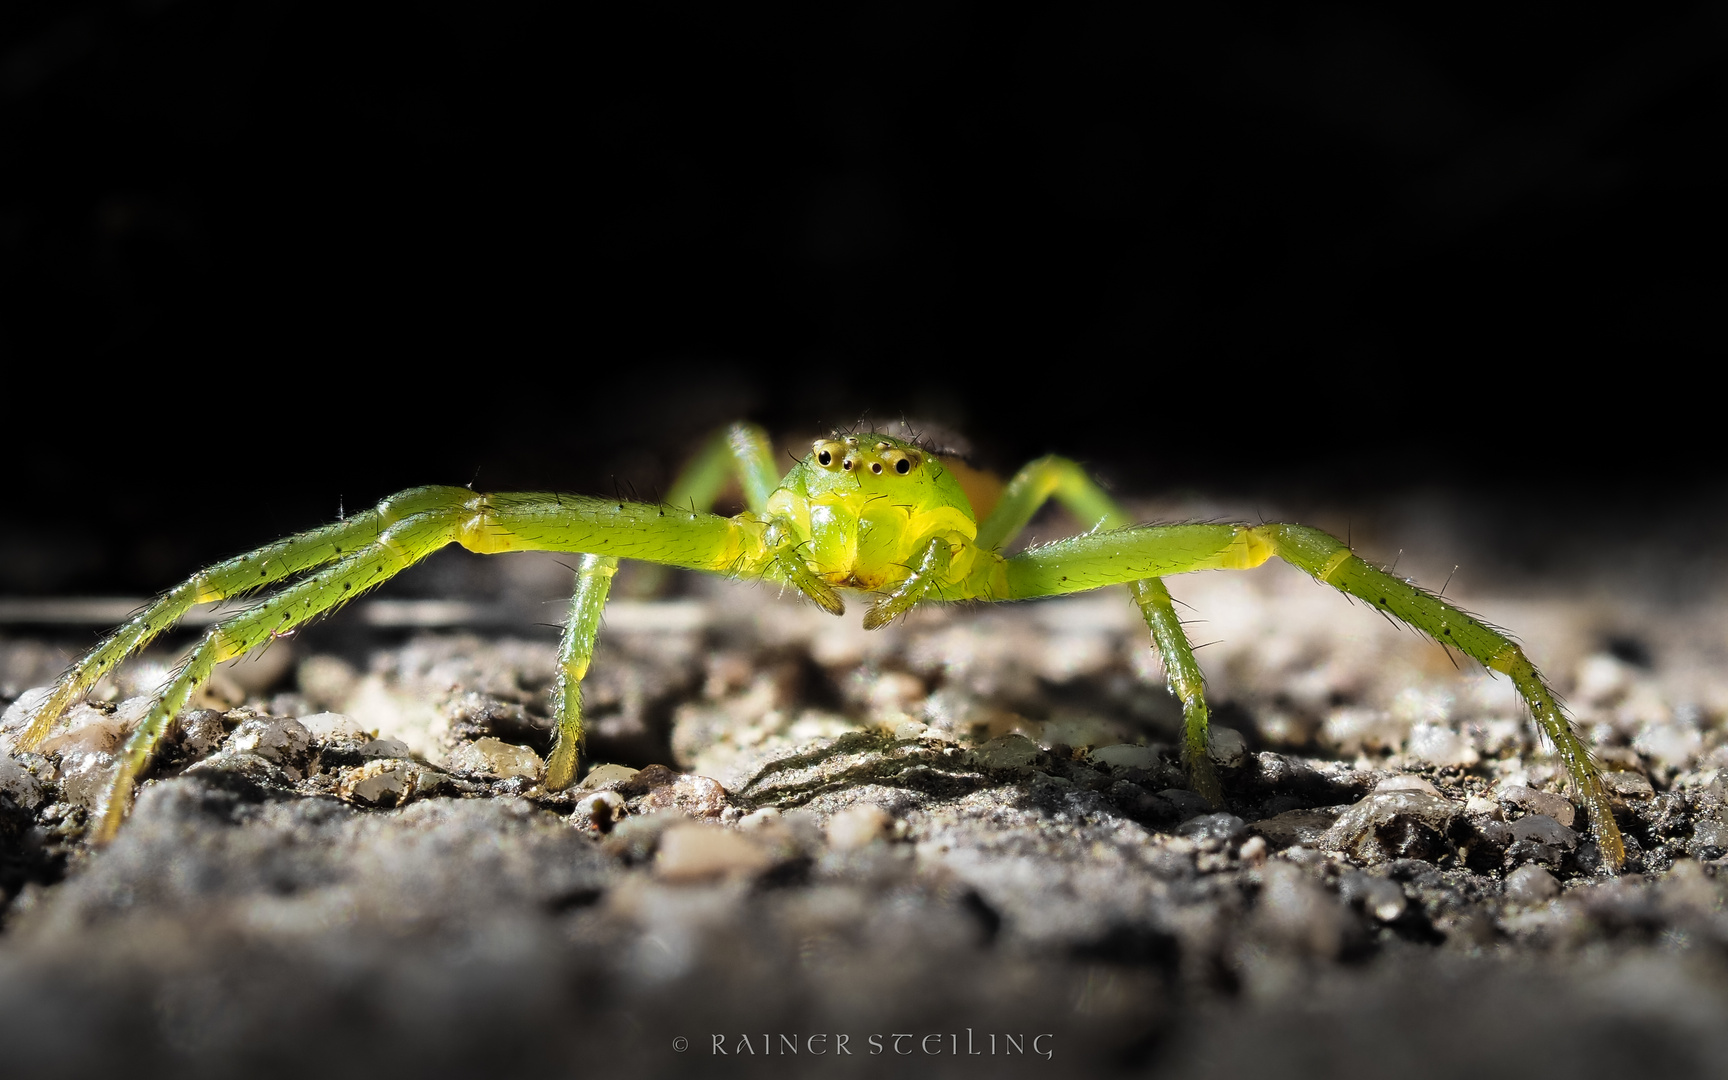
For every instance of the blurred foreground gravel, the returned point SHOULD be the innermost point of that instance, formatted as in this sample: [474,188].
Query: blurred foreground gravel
[961,845]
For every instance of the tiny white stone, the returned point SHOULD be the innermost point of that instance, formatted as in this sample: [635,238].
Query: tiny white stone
[606,774]
[1406,782]
[325,726]
[1125,756]
[693,852]
[858,826]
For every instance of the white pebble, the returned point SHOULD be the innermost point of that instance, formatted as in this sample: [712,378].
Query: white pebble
[1535,801]
[693,852]
[858,826]
[1440,745]
[600,775]
[1125,756]
[1406,782]
[325,726]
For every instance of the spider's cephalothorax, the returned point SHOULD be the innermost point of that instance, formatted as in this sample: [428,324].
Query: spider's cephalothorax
[864,511]
[864,507]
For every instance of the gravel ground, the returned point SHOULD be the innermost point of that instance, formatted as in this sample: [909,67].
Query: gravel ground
[961,843]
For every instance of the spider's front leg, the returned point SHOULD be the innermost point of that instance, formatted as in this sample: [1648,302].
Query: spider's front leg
[925,578]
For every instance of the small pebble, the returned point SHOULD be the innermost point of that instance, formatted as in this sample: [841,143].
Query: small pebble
[1296,911]
[89,729]
[1489,808]
[326,726]
[1391,825]
[1125,756]
[1187,803]
[1543,830]
[386,748]
[606,775]
[200,731]
[1439,744]
[86,776]
[858,826]
[1377,896]
[388,782]
[692,852]
[1629,785]
[601,810]
[1210,832]
[1226,746]
[495,757]
[1709,839]
[1531,884]
[1538,802]
[1008,752]
[1406,782]
[759,819]
[273,738]
[1253,853]
[17,782]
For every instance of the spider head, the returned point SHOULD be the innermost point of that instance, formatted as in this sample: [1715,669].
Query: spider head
[867,468]
[872,455]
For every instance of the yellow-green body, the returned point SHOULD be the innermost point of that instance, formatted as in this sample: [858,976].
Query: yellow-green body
[865,512]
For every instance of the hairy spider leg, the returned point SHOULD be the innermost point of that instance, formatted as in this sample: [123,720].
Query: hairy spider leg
[1066,482]
[593,582]
[418,522]
[926,576]
[740,451]
[231,578]
[1133,554]
[397,547]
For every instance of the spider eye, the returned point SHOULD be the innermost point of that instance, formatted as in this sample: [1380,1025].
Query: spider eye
[847,464]
[825,458]
[903,466]
[876,467]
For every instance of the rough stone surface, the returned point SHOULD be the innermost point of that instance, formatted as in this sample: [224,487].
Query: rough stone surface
[970,825]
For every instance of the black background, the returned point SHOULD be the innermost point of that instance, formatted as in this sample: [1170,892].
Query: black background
[259,258]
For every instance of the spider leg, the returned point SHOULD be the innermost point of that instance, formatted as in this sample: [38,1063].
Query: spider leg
[593,582]
[1330,561]
[1108,558]
[406,528]
[395,548]
[931,568]
[1065,481]
[740,450]
[232,577]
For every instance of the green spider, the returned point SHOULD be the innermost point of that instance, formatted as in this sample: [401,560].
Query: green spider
[869,512]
